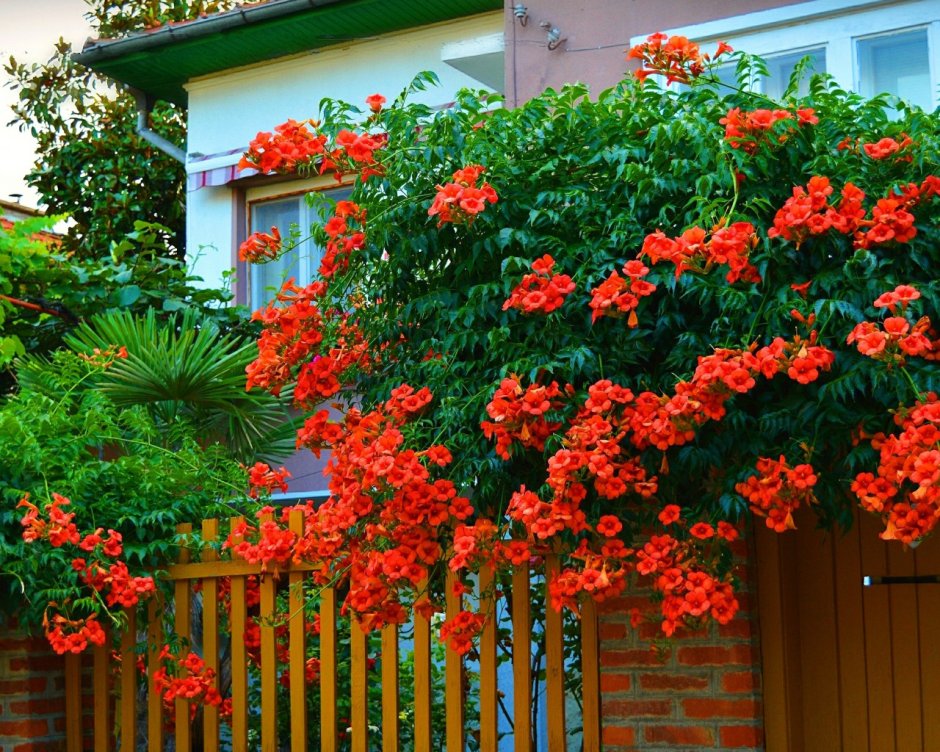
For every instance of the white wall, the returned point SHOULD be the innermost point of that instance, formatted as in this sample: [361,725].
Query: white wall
[227,110]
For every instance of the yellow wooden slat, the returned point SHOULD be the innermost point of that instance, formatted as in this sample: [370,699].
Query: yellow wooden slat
[850,623]
[422,668]
[521,661]
[905,650]
[590,678]
[453,675]
[927,557]
[210,633]
[154,700]
[328,738]
[554,665]
[878,659]
[773,655]
[102,697]
[298,648]
[358,647]
[819,647]
[239,660]
[73,702]
[488,687]
[182,622]
[390,704]
[200,569]
[129,682]
[268,661]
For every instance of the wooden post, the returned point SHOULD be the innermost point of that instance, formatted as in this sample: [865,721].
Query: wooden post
[554,665]
[453,674]
[489,737]
[521,661]
[298,647]
[210,633]
[390,703]
[239,660]
[183,626]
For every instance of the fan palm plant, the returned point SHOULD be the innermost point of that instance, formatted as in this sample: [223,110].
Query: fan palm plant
[185,368]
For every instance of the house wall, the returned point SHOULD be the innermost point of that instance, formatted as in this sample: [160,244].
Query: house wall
[227,110]
[595,34]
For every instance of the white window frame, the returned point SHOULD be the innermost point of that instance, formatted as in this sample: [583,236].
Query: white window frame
[835,25]
[280,191]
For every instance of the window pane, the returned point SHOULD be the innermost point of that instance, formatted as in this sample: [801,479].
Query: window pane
[781,67]
[281,214]
[897,64]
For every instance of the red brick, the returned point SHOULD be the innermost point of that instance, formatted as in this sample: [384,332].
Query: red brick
[26,685]
[680,735]
[25,727]
[672,682]
[617,735]
[37,663]
[633,657]
[621,606]
[739,681]
[741,628]
[615,682]
[704,655]
[698,707]
[634,708]
[33,746]
[741,736]
[38,706]
[612,630]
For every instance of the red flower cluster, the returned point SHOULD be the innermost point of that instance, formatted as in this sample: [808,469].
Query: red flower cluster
[291,146]
[260,247]
[683,572]
[906,489]
[602,575]
[460,631]
[808,213]
[676,58]
[888,147]
[187,678]
[106,577]
[293,333]
[542,291]
[615,296]
[262,480]
[344,238]
[748,130]
[895,338]
[459,201]
[519,415]
[728,245]
[778,490]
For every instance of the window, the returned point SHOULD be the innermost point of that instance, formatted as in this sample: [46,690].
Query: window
[898,64]
[291,212]
[869,46]
[781,68]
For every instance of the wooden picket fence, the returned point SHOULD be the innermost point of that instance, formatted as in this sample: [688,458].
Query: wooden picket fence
[121,732]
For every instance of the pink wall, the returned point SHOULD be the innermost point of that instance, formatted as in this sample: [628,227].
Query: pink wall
[596,33]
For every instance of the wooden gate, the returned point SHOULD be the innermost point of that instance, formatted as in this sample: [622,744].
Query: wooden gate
[847,666]
[117,713]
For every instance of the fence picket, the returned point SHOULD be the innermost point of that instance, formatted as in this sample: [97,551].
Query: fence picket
[453,674]
[266,618]
[210,633]
[328,740]
[488,688]
[358,646]
[154,700]
[521,662]
[102,694]
[554,664]
[128,698]
[590,679]
[298,648]
[182,624]
[390,724]
[422,672]
[73,702]
[239,613]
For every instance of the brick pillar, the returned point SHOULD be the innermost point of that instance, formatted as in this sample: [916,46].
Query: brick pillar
[706,695]
[32,694]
